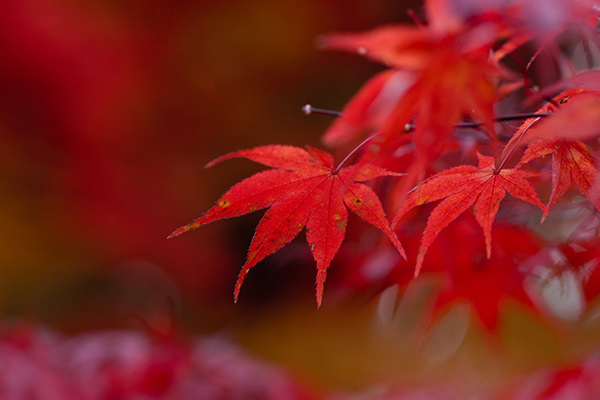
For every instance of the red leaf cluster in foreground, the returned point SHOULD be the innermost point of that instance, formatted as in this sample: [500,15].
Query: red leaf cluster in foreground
[432,117]
[456,118]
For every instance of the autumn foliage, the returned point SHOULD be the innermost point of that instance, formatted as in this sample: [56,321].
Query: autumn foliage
[455,119]
[458,118]
[462,175]
[430,125]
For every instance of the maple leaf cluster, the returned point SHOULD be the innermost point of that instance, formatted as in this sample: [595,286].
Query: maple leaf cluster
[457,117]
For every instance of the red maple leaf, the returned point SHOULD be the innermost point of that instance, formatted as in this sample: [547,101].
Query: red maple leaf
[555,118]
[484,187]
[571,161]
[484,284]
[370,107]
[463,273]
[305,189]
[447,59]
[577,104]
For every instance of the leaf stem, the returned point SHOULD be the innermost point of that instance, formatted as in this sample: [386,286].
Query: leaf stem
[505,118]
[307,109]
[354,151]
[512,149]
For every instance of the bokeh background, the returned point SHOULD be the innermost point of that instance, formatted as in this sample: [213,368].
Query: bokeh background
[108,112]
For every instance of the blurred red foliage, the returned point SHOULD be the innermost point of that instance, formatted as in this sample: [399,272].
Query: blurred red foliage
[108,110]
[111,365]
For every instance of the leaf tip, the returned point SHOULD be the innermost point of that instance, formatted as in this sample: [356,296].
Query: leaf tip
[398,246]
[183,229]
[321,275]
[240,281]
[419,264]
[546,211]
[418,269]
[220,159]
[212,163]
[236,291]
[172,235]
